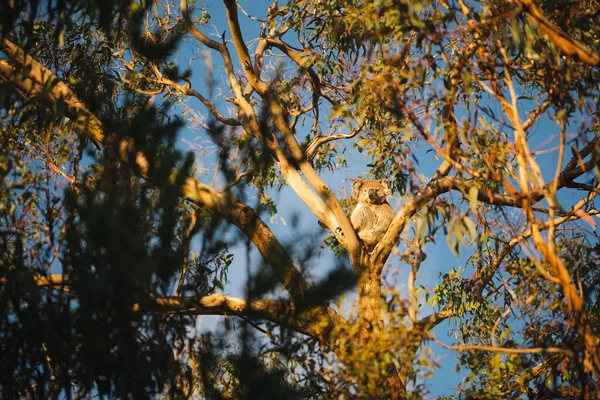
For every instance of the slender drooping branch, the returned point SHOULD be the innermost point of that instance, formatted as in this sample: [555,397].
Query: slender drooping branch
[306,66]
[319,140]
[185,90]
[511,350]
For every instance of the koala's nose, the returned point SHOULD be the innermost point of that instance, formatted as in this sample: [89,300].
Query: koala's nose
[372,194]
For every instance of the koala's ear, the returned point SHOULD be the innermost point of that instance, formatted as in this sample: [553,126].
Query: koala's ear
[356,186]
[386,186]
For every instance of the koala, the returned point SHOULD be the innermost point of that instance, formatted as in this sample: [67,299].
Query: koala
[373,214]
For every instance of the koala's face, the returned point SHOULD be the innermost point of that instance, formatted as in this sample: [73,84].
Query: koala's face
[371,191]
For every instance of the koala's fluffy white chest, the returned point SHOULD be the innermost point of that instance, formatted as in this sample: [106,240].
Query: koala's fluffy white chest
[357,208]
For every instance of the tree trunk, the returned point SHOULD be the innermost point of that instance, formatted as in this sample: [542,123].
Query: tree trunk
[369,296]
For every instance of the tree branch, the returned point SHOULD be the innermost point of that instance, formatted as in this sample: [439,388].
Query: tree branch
[241,215]
[241,49]
[188,91]
[333,216]
[308,322]
[434,319]
[569,46]
[529,350]
[39,80]
[413,204]
[220,47]
[444,184]
[314,321]
[319,140]
[314,78]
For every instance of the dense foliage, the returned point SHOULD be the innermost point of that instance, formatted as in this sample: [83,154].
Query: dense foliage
[149,149]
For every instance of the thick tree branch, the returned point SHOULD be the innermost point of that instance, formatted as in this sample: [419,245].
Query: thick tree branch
[41,80]
[56,280]
[333,216]
[241,215]
[413,204]
[435,187]
[347,235]
[240,46]
[312,322]
[567,45]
